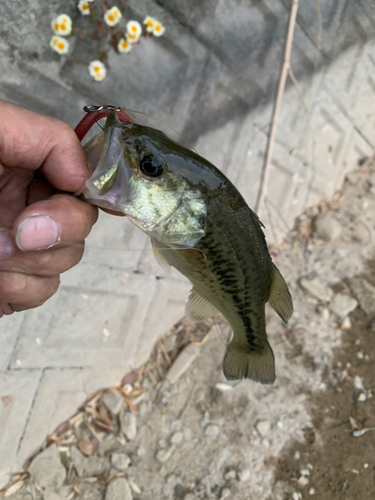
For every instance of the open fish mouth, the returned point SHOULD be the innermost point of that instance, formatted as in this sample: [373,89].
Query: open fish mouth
[109,185]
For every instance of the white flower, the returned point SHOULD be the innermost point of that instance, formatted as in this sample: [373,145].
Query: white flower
[158,29]
[124,46]
[150,23]
[97,70]
[134,29]
[59,44]
[112,16]
[62,25]
[84,7]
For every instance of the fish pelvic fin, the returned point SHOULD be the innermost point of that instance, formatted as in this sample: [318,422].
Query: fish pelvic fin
[280,298]
[198,309]
[241,362]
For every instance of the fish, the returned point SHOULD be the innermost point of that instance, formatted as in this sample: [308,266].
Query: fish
[198,223]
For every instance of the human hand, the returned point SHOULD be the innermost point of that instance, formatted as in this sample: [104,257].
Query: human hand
[42,229]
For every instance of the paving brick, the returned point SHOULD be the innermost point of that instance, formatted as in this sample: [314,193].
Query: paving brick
[17,390]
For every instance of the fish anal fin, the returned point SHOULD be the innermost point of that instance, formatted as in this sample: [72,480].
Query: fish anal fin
[198,309]
[160,257]
[241,362]
[280,298]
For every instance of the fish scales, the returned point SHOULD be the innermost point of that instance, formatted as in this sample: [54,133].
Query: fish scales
[200,224]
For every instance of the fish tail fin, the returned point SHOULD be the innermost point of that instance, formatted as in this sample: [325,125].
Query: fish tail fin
[241,361]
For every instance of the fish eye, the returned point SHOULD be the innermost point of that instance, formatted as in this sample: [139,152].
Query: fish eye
[151,166]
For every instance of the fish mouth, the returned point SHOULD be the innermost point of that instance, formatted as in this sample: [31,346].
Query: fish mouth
[110,183]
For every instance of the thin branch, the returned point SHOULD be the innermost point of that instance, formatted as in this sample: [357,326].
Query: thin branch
[283,77]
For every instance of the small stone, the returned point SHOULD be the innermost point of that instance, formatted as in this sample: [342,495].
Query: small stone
[88,466]
[362,397]
[244,475]
[118,489]
[230,475]
[211,431]
[311,491]
[365,466]
[223,387]
[304,472]
[51,495]
[365,294]
[316,289]
[165,454]
[177,438]
[183,362]
[113,402]
[360,355]
[343,304]
[303,481]
[263,426]
[47,470]
[225,493]
[327,228]
[297,455]
[134,486]
[120,460]
[346,324]
[358,383]
[128,423]
[296,496]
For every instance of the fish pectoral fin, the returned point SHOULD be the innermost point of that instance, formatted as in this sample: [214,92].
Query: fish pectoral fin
[198,309]
[280,298]
[160,257]
[241,362]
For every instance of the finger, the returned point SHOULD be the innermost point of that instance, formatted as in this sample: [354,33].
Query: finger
[32,141]
[60,219]
[49,262]
[39,190]
[26,291]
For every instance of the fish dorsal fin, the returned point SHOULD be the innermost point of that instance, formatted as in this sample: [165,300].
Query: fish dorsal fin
[160,257]
[280,298]
[198,309]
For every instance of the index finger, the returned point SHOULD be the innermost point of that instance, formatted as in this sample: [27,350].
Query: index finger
[32,141]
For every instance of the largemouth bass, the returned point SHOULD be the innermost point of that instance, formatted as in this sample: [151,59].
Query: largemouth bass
[198,223]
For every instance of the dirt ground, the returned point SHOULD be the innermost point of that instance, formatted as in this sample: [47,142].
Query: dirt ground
[177,430]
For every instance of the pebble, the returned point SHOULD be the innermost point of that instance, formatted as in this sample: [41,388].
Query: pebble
[128,423]
[113,402]
[263,426]
[120,460]
[297,455]
[165,454]
[51,495]
[327,228]
[223,387]
[230,475]
[358,383]
[297,496]
[177,438]
[244,475]
[118,489]
[88,466]
[311,491]
[343,304]
[47,470]
[225,493]
[316,289]
[303,481]
[362,397]
[211,431]
[346,324]
[183,362]
[365,294]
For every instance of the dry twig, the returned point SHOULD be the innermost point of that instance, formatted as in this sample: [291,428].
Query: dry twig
[275,120]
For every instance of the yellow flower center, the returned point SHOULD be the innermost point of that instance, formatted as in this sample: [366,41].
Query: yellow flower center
[134,28]
[63,27]
[96,69]
[125,45]
[111,17]
[56,26]
[149,23]
[157,28]
[61,45]
[85,6]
